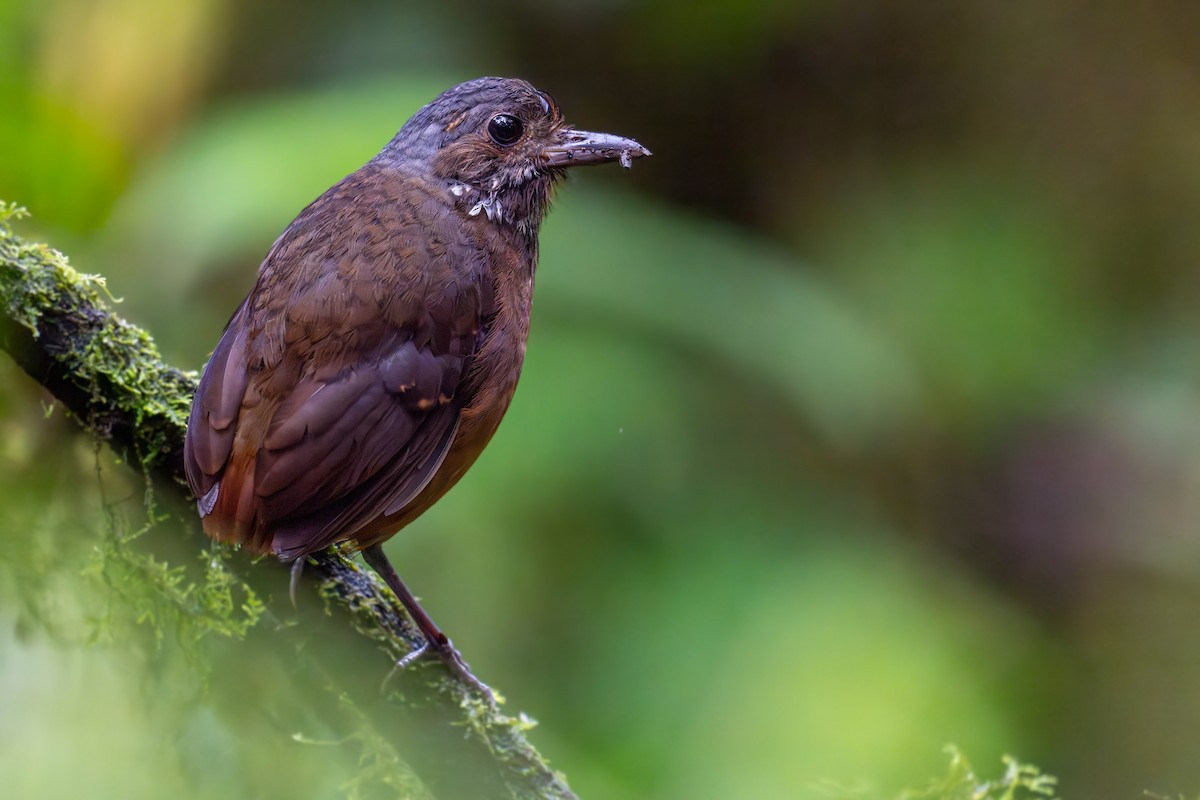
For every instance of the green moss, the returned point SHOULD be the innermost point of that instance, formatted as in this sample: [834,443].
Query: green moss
[37,277]
[174,602]
[119,369]
[1018,782]
[380,764]
[961,782]
[117,363]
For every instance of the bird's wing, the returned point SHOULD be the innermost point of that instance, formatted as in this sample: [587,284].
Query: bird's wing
[332,397]
[343,452]
[215,410]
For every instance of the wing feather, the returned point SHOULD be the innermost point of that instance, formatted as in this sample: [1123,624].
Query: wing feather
[333,395]
[218,401]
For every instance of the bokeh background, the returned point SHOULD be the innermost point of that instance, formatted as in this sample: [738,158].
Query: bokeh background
[862,418]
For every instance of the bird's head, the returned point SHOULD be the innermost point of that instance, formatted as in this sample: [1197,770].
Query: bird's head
[499,145]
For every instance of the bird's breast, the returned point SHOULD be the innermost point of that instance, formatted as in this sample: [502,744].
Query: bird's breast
[496,366]
[487,387]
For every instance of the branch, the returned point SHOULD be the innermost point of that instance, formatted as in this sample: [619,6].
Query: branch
[56,324]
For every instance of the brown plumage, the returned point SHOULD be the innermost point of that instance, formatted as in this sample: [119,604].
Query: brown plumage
[382,343]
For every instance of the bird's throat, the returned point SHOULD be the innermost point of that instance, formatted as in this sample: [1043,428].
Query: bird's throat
[521,206]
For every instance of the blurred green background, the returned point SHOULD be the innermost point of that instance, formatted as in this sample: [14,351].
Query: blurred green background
[862,418]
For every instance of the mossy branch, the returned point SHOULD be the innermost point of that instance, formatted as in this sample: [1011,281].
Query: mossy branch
[57,325]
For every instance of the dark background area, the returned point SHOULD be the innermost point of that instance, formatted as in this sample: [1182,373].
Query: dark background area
[862,418]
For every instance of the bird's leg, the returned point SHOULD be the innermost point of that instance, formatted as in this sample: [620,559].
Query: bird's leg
[434,638]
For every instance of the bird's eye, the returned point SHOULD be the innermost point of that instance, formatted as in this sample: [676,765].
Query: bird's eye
[505,129]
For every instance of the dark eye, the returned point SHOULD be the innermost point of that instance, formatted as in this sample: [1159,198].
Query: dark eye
[505,129]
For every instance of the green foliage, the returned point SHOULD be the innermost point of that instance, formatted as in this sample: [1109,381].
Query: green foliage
[380,766]
[951,249]
[1019,782]
[170,600]
[961,782]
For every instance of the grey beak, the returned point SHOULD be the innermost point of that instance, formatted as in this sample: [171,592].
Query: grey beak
[579,148]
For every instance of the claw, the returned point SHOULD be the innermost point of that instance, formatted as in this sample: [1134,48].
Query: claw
[403,664]
[297,570]
[453,661]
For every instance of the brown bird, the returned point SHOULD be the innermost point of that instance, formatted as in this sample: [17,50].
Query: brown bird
[380,347]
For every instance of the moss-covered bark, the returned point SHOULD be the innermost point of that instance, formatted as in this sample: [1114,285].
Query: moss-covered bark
[57,325]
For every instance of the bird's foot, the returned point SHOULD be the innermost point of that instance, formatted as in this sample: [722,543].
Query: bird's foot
[411,658]
[453,660]
[455,663]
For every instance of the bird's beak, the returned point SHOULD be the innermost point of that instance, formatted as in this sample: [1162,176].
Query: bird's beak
[578,148]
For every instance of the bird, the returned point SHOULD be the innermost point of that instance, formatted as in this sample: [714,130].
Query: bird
[382,342]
